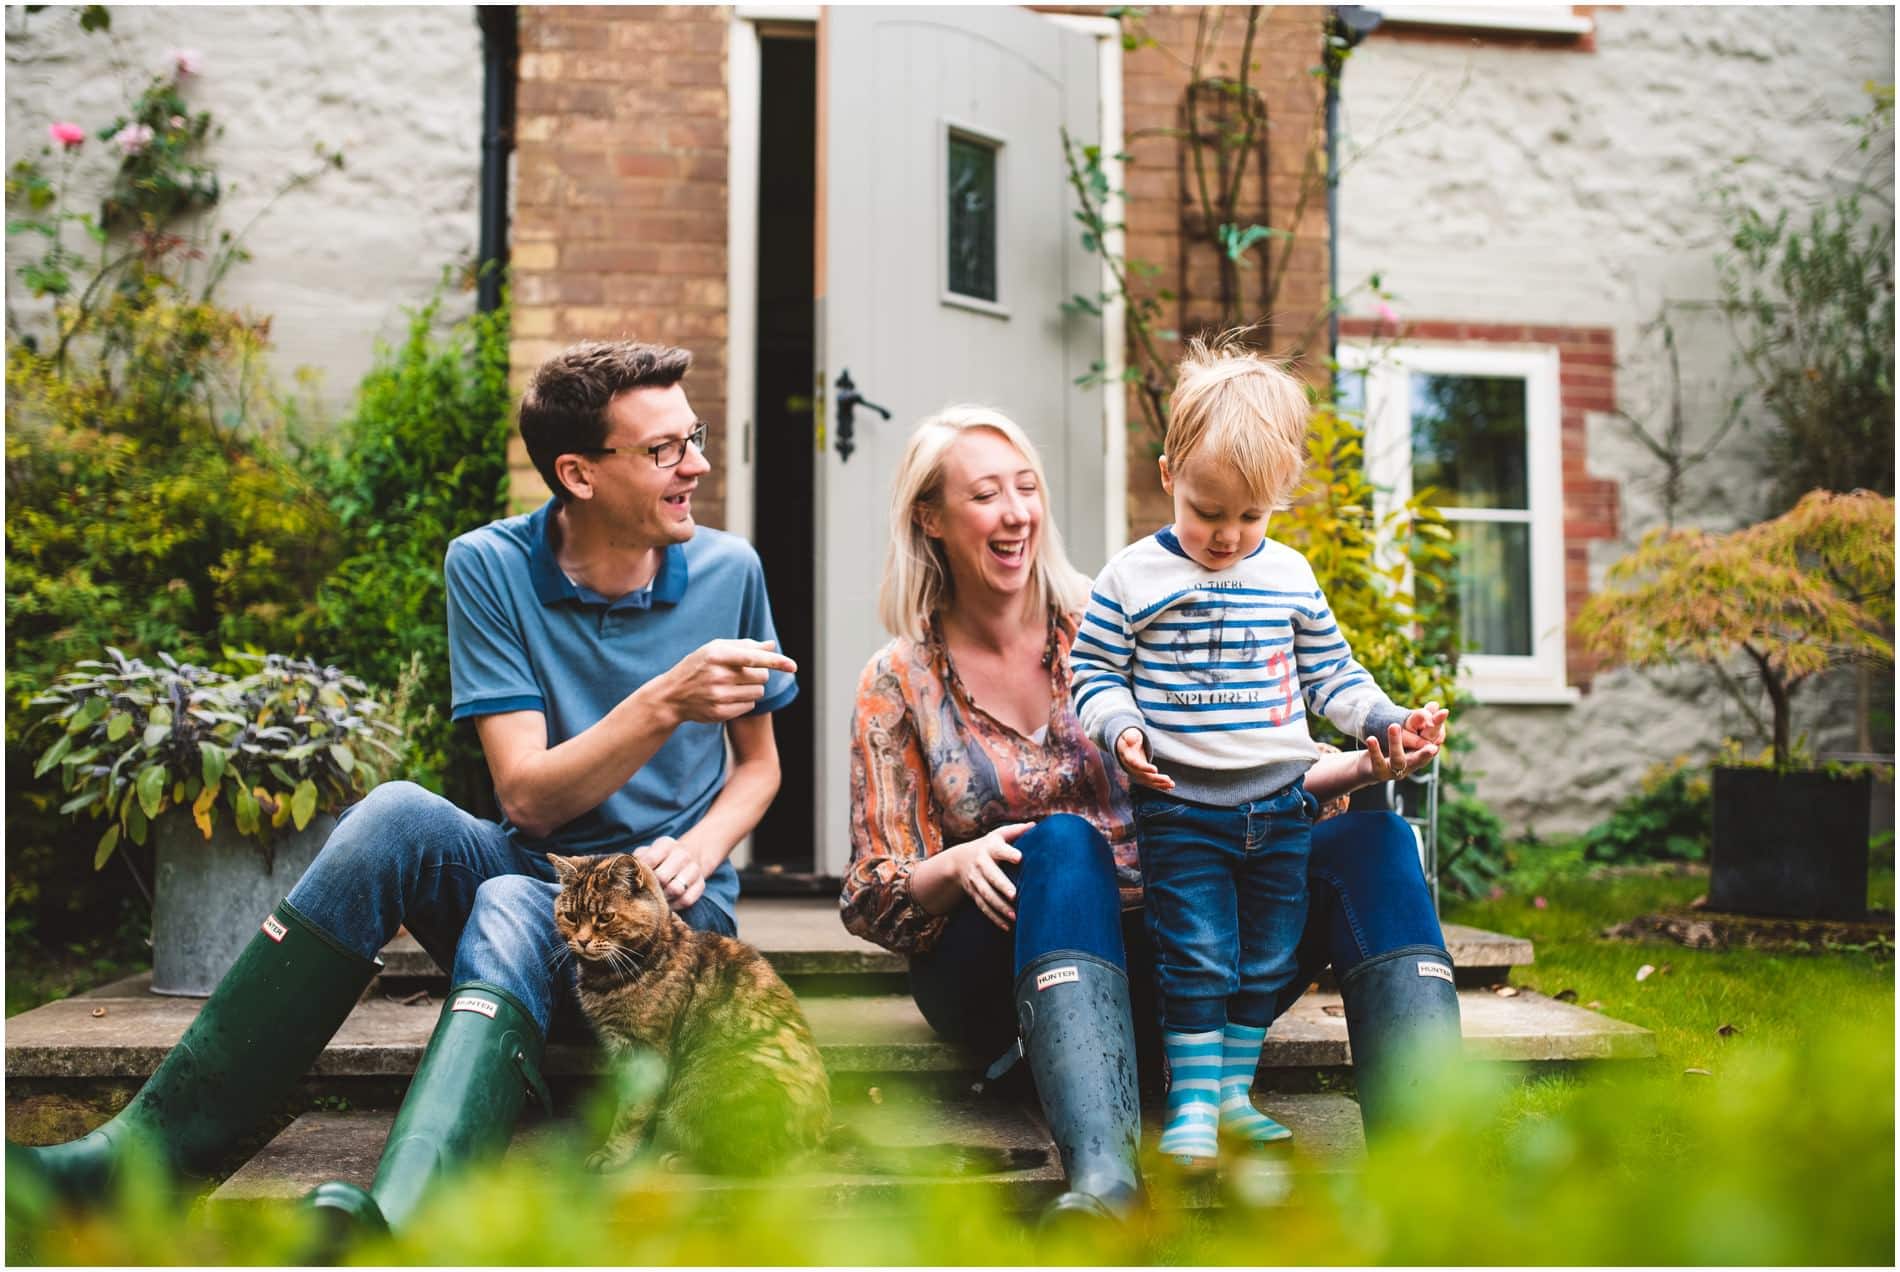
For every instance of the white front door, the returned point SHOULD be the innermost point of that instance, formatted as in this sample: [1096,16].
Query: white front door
[948,248]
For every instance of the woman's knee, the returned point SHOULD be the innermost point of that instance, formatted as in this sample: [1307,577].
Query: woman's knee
[1067,847]
[1370,863]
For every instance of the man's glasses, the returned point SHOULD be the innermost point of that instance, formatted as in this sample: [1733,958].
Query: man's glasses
[667,454]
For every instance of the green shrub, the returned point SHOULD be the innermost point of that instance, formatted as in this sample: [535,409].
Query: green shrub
[422,458]
[1471,846]
[1667,819]
[141,512]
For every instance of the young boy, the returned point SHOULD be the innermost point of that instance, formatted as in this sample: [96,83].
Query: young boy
[1202,649]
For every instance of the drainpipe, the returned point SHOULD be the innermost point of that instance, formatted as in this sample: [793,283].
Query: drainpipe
[1346,25]
[499,46]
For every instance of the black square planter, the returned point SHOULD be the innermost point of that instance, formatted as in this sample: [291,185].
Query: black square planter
[1789,844]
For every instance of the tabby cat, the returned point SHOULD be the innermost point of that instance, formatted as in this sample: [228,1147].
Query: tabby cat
[746,1090]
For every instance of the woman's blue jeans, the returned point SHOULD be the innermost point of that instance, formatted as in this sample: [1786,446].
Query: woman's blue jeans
[478,902]
[1366,896]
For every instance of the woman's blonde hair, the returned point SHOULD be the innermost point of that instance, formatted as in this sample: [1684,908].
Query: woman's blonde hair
[1249,412]
[917,581]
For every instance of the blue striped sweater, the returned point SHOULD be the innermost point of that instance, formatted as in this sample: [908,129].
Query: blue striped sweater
[1218,668]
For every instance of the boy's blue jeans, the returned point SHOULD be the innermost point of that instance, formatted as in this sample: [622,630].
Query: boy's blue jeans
[478,902]
[1226,900]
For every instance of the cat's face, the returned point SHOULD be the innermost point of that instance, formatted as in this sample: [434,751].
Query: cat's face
[609,907]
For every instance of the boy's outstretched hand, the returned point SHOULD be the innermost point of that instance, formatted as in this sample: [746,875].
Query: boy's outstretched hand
[1426,726]
[1132,750]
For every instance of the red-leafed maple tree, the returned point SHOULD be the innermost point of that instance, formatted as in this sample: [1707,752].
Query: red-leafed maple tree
[1809,590]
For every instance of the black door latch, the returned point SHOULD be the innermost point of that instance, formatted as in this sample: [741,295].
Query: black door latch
[847,400]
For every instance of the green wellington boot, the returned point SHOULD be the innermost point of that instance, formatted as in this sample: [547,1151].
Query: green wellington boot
[259,1032]
[482,1063]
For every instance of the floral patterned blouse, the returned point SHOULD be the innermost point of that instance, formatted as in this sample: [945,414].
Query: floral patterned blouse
[930,768]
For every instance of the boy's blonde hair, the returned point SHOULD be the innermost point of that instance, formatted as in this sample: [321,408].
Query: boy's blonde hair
[917,582]
[1246,411]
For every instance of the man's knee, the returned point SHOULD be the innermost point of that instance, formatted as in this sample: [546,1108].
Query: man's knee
[394,822]
[515,898]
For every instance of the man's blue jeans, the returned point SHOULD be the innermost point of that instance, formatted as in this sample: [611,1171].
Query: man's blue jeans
[478,902]
[1226,897]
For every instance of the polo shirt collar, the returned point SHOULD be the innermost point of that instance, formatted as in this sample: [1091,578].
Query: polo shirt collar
[551,586]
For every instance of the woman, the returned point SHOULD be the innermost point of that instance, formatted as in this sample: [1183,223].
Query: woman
[993,843]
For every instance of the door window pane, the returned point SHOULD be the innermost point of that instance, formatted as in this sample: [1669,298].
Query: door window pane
[1468,440]
[972,218]
[1494,586]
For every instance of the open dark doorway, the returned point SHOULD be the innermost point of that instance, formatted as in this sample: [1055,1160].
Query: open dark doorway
[784,500]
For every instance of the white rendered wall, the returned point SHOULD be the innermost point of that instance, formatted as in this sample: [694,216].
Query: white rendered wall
[397,90]
[1572,188]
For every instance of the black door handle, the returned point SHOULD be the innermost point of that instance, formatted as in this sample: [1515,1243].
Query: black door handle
[848,400]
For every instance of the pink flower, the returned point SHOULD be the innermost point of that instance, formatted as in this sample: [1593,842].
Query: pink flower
[188,61]
[1388,315]
[1540,903]
[133,138]
[176,121]
[67,135]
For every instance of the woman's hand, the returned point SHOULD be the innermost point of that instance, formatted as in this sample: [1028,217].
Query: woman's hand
[1131,748]
[977,872]
[1394,762]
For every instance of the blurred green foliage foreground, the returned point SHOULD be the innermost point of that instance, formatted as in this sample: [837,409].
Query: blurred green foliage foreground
[1763,1133]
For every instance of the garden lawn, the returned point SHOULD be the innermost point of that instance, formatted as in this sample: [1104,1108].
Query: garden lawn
[1767,998]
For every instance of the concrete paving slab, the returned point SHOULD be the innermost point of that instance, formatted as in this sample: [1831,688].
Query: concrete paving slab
[883,1034]
[348,1146]
[802,936]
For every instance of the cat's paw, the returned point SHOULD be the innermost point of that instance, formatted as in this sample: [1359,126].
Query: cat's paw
[601,1161]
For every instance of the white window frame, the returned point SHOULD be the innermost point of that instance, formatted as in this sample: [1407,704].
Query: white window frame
[1490,678]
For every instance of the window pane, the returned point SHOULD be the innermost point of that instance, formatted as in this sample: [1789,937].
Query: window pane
[972,218]
[1468,440]
[1349,389]
[1494,586]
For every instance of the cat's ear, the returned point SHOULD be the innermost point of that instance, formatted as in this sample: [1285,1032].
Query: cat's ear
[564,869]
[636,875]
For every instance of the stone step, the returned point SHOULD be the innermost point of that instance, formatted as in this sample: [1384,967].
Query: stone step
[804,940]
[347,1146]
[122,1032]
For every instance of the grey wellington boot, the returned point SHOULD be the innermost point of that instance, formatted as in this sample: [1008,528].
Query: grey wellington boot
[258,1032]
[483,1062]
[1079,1038]
[1402,1023]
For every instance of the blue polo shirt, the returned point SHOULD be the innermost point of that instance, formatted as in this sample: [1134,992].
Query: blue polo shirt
[524,637]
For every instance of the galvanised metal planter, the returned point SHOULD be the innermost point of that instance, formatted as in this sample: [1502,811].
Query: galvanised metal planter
[211,895]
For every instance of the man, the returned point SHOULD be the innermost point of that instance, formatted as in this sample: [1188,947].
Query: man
[579,647]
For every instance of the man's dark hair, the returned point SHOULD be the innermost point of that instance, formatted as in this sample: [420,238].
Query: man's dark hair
[565,407]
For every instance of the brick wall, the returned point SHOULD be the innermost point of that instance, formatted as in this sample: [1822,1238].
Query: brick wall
[620,207]
[1154,83]
[1586,382]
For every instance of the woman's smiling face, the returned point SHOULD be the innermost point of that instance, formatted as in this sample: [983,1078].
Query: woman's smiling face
[988,516]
